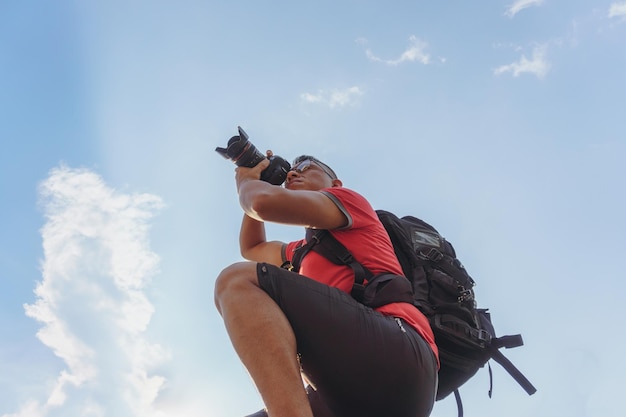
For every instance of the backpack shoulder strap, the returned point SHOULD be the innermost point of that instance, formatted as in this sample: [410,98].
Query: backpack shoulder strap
[324,243]
[300,252]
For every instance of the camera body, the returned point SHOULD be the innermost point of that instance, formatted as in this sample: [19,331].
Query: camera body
[244,154]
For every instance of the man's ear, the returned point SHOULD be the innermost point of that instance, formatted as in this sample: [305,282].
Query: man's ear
[337,183]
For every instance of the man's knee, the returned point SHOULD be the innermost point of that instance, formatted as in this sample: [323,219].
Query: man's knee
[233,279]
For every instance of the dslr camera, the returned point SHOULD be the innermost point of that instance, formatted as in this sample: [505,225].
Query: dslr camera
[244,154]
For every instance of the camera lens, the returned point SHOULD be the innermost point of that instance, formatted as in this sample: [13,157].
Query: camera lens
[243,152]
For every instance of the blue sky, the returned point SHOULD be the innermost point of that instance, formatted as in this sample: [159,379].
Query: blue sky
[502,125]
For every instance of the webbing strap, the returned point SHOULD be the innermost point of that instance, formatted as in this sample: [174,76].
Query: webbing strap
[333,250]
[490,392]
[324,243]
[459,404]
[312,238]
[513,371]
[507,341]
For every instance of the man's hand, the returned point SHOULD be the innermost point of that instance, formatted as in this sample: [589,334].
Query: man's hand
[243,174]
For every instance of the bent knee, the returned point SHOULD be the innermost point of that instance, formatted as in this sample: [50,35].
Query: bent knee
[235,277]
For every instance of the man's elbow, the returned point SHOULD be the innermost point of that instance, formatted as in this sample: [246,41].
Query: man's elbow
[247,254]
[263,206]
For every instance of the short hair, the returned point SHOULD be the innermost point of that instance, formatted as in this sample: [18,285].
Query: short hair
[324,167]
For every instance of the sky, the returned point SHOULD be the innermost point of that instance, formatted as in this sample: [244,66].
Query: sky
[502,124]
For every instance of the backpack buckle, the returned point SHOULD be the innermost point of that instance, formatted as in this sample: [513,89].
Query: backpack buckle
[483,336]
[432,254]
[358,292]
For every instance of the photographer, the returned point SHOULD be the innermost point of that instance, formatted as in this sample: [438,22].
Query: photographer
[286,326]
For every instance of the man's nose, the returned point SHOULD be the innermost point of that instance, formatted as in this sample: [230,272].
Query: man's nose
[291,174]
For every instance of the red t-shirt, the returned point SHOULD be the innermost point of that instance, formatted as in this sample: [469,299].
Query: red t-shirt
[366,238]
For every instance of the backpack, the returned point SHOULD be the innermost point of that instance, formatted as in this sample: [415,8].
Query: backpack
[440,287]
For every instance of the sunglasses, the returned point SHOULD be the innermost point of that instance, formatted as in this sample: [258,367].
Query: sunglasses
[302,166]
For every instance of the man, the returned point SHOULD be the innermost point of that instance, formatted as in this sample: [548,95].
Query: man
[284,326]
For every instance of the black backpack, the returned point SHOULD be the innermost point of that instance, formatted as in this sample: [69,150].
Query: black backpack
[440,287]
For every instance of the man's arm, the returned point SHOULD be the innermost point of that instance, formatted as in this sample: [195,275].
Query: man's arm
[253,243]
[266,202]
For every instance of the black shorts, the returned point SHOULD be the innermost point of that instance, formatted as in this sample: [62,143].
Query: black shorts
[359,362]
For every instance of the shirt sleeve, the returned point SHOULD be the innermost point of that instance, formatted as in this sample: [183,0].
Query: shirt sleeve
[355,207]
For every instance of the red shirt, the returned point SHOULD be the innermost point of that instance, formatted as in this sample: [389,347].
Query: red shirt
[368,241]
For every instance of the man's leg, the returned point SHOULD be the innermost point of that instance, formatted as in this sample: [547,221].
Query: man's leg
[263,339]
[363,363]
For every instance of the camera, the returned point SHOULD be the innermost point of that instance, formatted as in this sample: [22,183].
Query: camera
[244,154]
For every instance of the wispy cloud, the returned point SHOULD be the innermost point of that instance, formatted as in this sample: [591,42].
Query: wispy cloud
[334,98]
[91,300]
[416,51]
[618,9]
[538,65]
[520,5]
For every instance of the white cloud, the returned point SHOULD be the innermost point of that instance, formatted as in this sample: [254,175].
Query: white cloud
[30,409]
[519,5]
[91,301]
[334,98]
[415,52]
[618,9]
[538,65]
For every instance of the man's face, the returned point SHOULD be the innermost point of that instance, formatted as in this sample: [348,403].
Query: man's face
[307,175]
